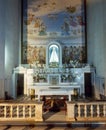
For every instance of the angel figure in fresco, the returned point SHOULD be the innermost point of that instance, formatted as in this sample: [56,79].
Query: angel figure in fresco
[73,21]
[37,22]
[65,27]
[35,53]
[42,29]
[29,19]
[80,20]
[66,54]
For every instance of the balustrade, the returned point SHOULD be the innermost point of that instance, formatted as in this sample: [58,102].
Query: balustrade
[90,111]
[76,111]
[21,111]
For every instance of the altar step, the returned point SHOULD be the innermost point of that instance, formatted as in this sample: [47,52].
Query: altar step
[54,105]
[55,126]
[23,98]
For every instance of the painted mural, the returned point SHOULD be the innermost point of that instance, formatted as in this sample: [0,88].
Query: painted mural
[73,55]
[52,19]
[34,55]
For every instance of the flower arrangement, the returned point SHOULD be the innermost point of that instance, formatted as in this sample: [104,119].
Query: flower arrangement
[63,77]
[74,63]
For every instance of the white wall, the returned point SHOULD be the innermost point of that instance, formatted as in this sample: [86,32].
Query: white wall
[96,39]
[2,47]
[96,35]
[10,30]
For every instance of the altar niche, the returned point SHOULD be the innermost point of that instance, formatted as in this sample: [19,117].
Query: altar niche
[54,55]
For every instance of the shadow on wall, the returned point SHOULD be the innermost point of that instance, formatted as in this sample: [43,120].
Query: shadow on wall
[7,96]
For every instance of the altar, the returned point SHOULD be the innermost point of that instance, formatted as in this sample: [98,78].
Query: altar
[54,76]
[59,91]
[53,82]
[54,56]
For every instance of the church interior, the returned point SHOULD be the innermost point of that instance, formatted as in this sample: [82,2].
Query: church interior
[52,51]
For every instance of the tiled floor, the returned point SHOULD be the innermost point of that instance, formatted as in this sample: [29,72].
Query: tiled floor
[55,116]
[52,127]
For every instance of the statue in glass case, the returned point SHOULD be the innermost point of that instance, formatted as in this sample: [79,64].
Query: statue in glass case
[53,56]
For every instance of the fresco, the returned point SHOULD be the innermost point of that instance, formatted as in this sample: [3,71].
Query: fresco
[73,55]
[34,55]
[53,19]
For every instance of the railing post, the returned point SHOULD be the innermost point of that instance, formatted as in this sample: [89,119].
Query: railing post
[70,111]
[39,111]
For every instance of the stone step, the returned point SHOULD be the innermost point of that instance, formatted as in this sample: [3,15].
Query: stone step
[54,126]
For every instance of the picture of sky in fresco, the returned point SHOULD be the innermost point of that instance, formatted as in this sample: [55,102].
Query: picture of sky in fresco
[54,18]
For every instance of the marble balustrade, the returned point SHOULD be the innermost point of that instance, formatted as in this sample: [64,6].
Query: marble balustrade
[21,111]
[86,111]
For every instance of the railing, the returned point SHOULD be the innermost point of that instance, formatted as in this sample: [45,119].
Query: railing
[91,111]
[32,111]
[21,111]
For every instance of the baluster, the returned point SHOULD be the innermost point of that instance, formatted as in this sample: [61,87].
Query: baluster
[17,111]
[30,111]
[5,111]
[79,112]
[85,111]
[104,110]
[11,111]
[91,110]
[98,111]
[23,111]
[35,111]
